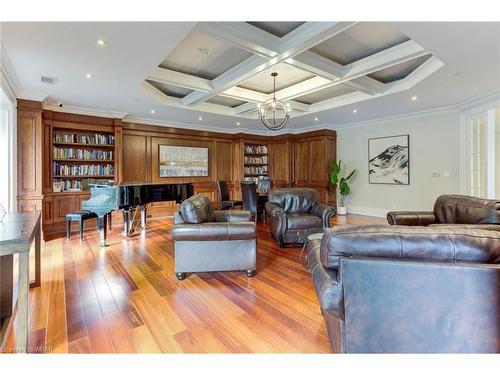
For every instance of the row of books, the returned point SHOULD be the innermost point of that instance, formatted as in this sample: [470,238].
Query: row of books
[263,183]
[256,160]
[73,153]
[255,149]
[94,139]
[77,185]
[83,170]
[256,170]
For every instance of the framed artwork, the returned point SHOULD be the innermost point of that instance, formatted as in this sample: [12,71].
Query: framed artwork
[182,161]
[389,160]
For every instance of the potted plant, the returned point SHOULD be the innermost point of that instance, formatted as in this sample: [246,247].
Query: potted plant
[341,184]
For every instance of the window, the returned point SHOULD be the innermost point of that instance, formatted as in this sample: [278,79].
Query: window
[482,156]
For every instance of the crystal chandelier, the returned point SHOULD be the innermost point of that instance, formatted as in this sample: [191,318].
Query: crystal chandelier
[273,113]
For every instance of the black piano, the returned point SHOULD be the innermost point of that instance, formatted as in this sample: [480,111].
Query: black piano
[128,196]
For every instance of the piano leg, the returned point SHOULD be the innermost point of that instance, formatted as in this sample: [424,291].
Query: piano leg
[102,227]
[143,216]
[126,221]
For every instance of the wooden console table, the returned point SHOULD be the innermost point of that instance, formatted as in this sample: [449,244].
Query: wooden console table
[17,232]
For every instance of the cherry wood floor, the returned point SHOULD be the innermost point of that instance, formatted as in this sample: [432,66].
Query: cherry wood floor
[126,299]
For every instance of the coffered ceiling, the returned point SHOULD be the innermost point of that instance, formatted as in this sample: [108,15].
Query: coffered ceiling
[211,76]
[225,67]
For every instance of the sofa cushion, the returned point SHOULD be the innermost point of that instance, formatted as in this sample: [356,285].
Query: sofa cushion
[294,200]
[417,243]
[461,209]
[303,221]
[197,209]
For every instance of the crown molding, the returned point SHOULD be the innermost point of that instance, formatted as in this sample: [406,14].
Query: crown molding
[84,111]
[8,77]
[488,99]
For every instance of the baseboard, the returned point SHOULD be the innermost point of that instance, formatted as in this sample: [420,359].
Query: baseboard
[367,211]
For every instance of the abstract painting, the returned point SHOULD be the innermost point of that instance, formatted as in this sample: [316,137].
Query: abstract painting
[389,160]
[183,161]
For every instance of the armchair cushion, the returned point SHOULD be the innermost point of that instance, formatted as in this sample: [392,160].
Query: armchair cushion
[303,221]
[232,216]
[402,242]
[221,231]
[324,212]
[294,200]
[419,218]
[461,209]
[197,209]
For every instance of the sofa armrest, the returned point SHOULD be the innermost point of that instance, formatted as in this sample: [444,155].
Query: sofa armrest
[324,212]
[414,218]
[275,210]
[214,231]
[232,216]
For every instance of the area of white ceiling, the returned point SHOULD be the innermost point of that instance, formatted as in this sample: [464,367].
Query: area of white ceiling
[470,52]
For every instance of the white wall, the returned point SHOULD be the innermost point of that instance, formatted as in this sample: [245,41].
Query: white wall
[434,147]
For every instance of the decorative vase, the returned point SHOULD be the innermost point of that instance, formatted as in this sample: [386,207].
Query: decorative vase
[342,210]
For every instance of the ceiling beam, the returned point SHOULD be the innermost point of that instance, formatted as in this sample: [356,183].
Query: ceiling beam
[171,77]
[296,42]
[244,36]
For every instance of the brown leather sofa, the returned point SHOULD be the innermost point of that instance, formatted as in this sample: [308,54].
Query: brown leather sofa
[291,210]
[466,211]
[206,240]
[399,289]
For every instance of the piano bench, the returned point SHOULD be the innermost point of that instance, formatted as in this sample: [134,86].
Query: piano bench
[80,217]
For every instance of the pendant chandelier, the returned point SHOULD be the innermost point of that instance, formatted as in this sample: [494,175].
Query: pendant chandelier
[273,113]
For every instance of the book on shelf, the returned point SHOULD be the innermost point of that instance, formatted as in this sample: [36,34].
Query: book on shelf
[256,170]
[59,185]
[255,159]
[256,149]
[93,139]
[80,154]
[61,169]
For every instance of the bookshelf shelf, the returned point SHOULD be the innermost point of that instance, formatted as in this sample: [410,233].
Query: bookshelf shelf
[80,151]
[255,162]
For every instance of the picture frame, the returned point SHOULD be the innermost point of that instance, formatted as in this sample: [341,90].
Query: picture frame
[389,160]
[182,161]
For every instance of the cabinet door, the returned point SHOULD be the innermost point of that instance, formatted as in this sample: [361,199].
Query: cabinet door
[302,162]
[29,205]
[62,205]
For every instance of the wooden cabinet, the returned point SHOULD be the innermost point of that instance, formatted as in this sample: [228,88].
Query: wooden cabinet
[29,155]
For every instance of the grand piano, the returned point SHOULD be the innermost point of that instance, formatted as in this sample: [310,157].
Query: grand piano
[126,197]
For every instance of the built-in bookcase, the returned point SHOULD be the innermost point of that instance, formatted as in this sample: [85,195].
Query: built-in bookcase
[80,158]
[256,162]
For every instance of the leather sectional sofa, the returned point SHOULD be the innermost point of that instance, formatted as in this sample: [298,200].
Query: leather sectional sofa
[393,289]
[206,240]
[469,212]
[291,210]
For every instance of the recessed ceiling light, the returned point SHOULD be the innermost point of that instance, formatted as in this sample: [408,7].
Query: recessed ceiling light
[413,98]
[200,118]
[205,51]
[88,75]
[316,119]
[101,42]
[237,124]
[153,111]
[354,110]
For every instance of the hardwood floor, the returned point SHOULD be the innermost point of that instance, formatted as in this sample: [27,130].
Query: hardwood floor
[126,299]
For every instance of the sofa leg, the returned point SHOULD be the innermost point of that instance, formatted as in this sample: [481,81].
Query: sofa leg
[180,275]
[250,273]
[282,244]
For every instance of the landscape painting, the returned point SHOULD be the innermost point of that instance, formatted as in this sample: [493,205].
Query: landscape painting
[183,161]
[389,160]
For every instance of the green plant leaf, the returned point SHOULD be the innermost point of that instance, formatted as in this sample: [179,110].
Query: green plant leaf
[351,174]
[344,187]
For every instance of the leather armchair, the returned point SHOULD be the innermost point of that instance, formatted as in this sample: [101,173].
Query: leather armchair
[206,240]
[453,210]
[291,210]
[395,289]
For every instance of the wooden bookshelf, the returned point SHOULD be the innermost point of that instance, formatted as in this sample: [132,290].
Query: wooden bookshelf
[255,162]
[82,151]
